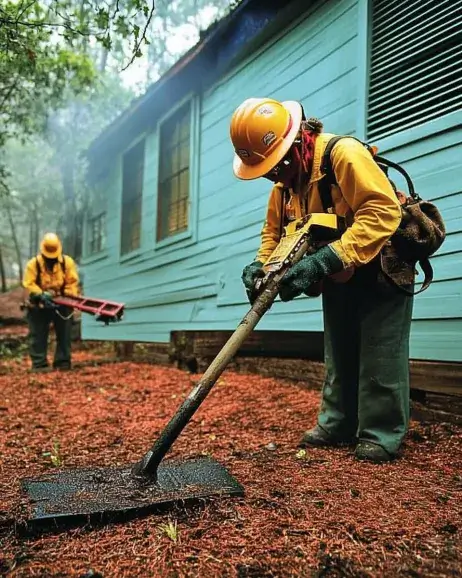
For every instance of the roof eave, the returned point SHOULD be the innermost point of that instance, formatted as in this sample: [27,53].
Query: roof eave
[153,90]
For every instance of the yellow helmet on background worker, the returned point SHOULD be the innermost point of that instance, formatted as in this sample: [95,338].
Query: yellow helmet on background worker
[262,131]
[50,247]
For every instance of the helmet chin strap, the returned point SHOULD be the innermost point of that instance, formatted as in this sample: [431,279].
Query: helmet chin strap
[303,152]
[297,154]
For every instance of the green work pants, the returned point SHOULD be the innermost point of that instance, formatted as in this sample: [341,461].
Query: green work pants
[39,325]
[366,347]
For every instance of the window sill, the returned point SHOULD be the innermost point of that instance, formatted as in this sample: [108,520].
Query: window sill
[186,237]
[95,257]
[131,255]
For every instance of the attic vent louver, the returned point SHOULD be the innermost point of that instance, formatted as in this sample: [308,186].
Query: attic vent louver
[416,63]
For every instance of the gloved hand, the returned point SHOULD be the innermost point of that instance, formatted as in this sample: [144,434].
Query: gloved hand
[311,269]
[35,298]
[47,298]
[250,274]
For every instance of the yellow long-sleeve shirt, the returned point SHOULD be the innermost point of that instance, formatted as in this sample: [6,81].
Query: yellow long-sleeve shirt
[58,281]
[363,195]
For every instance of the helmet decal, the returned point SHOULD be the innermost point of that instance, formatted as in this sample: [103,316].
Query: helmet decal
[265,110]
[243,153]
[268,138]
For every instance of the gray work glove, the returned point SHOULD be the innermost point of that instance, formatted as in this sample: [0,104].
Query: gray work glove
[35,298]
[311,269]
[47,299]
[250,274]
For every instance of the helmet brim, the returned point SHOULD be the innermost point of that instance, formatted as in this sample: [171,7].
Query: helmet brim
[249,172]
[50,254]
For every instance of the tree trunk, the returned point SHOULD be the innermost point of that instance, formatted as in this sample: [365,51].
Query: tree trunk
[2,272]
[104,52]
[70,241]
[36,231]
[14,236]
[103,60]
[31,234]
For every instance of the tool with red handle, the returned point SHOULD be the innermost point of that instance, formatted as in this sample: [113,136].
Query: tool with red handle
[103,310]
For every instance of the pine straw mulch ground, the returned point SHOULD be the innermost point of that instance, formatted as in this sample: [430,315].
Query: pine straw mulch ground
[318,514]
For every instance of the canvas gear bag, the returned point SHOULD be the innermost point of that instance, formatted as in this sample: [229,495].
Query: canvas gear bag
[420,233]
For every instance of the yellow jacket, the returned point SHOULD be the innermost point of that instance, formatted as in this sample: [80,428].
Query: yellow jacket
[363,195]
[38,279]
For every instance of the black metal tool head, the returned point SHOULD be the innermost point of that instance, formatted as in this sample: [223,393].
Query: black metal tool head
[100,495]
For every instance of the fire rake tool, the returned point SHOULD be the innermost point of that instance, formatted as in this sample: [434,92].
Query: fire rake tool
[150,484]
[105,311]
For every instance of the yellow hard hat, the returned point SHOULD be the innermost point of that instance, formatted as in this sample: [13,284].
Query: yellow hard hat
[262,131]
[50,246]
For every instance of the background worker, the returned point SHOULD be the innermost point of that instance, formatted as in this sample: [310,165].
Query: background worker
[48,275]
[365,398]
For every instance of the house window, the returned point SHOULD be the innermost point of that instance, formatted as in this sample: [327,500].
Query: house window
[174,172]
[416,51]
[97,233]
[132,192]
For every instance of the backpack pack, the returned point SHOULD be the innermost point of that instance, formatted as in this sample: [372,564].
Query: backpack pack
[420,233]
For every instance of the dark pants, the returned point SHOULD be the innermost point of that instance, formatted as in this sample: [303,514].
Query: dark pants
[39,326]
[366,391]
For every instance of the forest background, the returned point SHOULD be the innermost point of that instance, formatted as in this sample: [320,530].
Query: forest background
[68,68]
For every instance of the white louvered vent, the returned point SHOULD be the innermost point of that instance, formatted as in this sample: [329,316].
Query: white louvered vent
[416,63]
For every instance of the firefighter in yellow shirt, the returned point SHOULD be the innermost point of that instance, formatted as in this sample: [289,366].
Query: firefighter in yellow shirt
[365,398]
[48,275]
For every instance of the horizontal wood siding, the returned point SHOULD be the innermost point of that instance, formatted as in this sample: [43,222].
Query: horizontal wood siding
[198,286]
[433,159]
[316,64]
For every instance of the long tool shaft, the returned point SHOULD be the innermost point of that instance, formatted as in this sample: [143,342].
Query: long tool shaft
[151,460]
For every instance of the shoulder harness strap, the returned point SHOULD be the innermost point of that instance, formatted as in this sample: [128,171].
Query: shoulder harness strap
[329,178]
[282,220]
[63,268]
[38,277]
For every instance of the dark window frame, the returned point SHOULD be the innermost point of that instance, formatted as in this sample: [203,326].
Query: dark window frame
[96,227]
[174,187]
[133,164]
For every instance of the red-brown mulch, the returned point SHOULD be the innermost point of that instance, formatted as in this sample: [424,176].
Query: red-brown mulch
[14,331]
[319,514]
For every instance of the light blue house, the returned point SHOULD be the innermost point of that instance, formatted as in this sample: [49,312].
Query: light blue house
[170,228]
